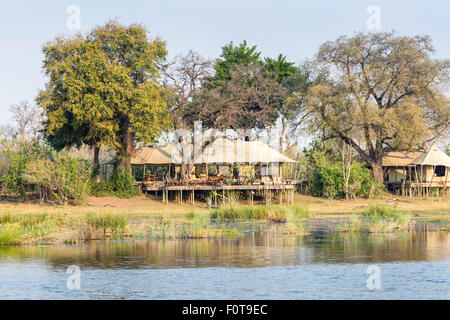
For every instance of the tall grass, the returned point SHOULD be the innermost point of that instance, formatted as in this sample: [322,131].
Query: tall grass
[9,234]
[274,213]
[383,219]
[353,224]
[165,228]
[115,223]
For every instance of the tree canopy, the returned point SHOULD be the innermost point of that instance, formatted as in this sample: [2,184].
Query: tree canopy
[103,88]
[383,92]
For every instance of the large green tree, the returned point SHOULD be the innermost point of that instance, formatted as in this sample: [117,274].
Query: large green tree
[383,92]
[103,89]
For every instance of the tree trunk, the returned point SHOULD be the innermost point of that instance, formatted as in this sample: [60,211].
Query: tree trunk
[126,149]
[283,134]
[96,160]
[377,172]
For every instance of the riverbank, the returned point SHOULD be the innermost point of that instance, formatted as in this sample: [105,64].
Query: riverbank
[144,217]
[147,206]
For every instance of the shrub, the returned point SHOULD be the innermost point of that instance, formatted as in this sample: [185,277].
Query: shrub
[328,181]
[122,185]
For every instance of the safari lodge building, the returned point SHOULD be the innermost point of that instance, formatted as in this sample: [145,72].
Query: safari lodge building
[218,170]
[416,173]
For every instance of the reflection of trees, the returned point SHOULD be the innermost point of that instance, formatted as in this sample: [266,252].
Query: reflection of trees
[256,249]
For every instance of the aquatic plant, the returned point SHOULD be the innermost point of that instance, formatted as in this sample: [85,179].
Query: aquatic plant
[115,223]
[274,213]
[353,224]
[383,219]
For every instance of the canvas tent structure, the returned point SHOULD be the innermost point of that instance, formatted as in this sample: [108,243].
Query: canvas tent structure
[397,168]
[417,173]
[220,152]
[153,157]
[432,168]
[251,168]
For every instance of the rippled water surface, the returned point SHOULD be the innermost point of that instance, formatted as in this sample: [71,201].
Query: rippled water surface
[258,265]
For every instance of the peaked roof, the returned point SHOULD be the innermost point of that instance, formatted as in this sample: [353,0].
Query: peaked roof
[399,158]
[433,157]
[226,151]
[220,151]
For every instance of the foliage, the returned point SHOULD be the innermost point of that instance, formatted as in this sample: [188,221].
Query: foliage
[381,92]
[103,89]
[56,176]
[325,173]
[233,55]
[122,185]
[60,178]
[248,98]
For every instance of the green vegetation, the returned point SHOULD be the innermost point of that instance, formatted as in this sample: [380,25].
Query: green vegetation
[9,234]
[353,224]
[103,89]
[324,170]
[114,223]
[378,219]
[199,227]
[55,176]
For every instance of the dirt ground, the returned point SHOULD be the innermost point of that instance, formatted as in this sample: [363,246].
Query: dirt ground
[150,206]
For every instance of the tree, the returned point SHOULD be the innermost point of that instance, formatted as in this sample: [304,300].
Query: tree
[247,100]
[182,78]
[27,120]
[383,92]
[105,87]
[233,55]
[295,80]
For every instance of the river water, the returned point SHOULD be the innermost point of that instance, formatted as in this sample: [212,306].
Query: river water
[260,264]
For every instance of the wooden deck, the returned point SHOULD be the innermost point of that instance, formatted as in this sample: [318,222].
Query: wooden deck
[203,187]
[284,191]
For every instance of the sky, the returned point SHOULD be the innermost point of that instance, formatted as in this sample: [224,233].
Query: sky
[294,28]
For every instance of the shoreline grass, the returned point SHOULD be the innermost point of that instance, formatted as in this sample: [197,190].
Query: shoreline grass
[52,226]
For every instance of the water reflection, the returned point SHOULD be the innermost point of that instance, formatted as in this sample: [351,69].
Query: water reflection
[255,249]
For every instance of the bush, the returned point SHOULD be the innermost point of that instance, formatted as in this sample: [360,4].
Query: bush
[328,181]
[56,176]
[61,178]
[122,185]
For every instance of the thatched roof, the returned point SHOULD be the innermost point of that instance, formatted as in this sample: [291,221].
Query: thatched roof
[433,157]
[220,151]
[399,158]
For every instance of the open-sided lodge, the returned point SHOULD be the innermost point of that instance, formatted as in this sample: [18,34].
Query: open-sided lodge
[220,168]
[416,173]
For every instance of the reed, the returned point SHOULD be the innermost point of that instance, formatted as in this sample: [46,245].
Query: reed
[353,224]
[274,213]
[115,223]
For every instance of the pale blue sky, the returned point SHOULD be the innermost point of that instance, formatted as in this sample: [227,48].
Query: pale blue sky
[294,28]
